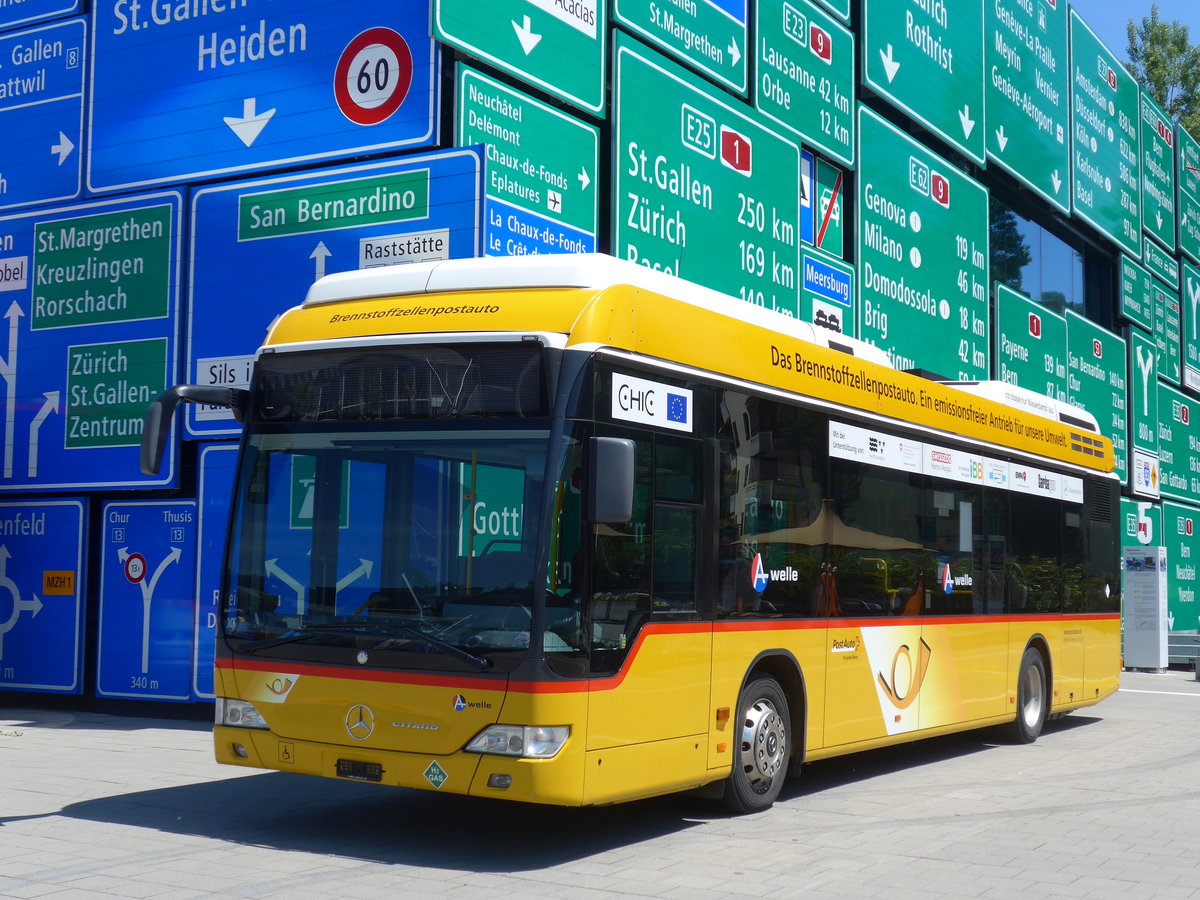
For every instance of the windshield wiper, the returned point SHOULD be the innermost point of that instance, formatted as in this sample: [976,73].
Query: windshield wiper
[310,631]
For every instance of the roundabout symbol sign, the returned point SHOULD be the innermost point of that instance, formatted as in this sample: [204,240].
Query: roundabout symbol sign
[373,76]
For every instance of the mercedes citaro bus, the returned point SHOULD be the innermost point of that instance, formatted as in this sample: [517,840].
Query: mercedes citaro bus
[567,530]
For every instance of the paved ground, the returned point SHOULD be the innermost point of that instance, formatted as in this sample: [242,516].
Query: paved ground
[1105,805]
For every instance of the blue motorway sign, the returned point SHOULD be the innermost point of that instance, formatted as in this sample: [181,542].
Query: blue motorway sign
[300,227]
[217,462]
[90,299]
[23,12]
[42,553]
[41,113]
[185,91]
[147,604]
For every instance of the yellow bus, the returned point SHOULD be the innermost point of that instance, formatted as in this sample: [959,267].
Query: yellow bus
[571,531]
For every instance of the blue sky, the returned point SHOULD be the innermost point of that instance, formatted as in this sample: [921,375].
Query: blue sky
[1108,18]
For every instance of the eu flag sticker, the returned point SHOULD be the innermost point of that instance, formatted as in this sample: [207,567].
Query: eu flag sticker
[677,408]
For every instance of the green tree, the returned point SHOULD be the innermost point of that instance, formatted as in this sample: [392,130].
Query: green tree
[1163,60]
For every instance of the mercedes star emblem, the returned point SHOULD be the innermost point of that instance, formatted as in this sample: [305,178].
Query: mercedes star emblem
[360,722]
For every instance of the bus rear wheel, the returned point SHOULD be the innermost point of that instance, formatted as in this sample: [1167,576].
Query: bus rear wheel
[1032,700]
[763,747]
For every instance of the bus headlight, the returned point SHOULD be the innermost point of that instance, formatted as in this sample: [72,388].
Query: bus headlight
[238,714]
[528,741]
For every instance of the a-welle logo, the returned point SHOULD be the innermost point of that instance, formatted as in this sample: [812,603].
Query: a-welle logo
[902,693]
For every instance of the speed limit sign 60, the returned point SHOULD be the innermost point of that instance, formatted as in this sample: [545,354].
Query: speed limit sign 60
[373,76]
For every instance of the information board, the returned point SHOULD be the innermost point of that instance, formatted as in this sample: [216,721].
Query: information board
[1031,344]
[702,190]
[1187,170]
[217,462]
[1178,444]
[926,59]
[1096,380]
[1190,326]
[541,169]
[42,583]
[91,298]
[22,12]
[1181,526]
[260,85]
[923,258]
[41,113]
[1158,173]
[707,35]
[558,47]
[1105,163]
[1137,294]
[146,631]
[1027,89]
[1168,333]
[300,227]
[805,66]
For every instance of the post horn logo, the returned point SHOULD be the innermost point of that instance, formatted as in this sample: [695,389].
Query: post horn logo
[903,694]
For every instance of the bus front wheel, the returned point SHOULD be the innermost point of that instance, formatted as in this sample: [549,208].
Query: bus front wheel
[763,745]
[1032,700]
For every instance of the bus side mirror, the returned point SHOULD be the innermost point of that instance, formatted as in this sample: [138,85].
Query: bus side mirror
[157,423]
[612,464]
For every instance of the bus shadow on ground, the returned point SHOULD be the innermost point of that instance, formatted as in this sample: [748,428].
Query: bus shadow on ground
[392,825]
[404,827]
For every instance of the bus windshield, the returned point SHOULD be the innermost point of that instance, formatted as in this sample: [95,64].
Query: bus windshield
[416,545]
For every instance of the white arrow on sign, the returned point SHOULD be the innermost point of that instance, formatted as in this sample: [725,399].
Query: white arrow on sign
[50,405]
[272,568]
[735,51]
[251,124]
[63,148]
[1001,138]
[8,371]
[6,583]
[320,254]
[890,66]
[1170,621]
[525,35]
[584,180]
[147,586]
[363,571]
[1158,220]
[1056,181]
[968,124]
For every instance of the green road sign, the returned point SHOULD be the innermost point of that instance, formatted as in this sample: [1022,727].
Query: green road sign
[559,47]
[104,268]
[701,189]
[1031,344]
[1181,537]
[1160,263]
[1137,294]
[922,254]
[541,163]
[1158,173]
[492,514]
[1168,332]
[926,58]
[109,385]
[1096,361]
[827,291]
[1027,89]
[1187,169]
[1190,326]
[805,66]
[1105,164]
[829,226]
[708,35]
[1178,442]
[1143,392]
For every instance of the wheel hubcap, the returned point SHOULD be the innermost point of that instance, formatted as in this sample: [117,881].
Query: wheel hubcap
[764,744]
[1032,709]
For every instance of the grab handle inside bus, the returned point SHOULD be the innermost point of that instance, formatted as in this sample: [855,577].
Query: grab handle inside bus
[612,463]
[157,423]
